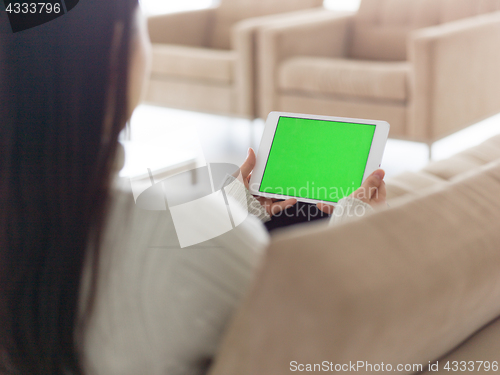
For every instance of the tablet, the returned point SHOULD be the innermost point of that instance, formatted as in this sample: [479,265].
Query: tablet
[316,158]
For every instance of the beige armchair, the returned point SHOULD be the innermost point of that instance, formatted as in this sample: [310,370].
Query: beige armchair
[428,67]
[204,60]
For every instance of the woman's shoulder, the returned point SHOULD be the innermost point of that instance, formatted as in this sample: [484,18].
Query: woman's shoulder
[159,305]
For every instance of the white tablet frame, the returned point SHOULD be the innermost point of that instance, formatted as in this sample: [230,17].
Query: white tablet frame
[373,163]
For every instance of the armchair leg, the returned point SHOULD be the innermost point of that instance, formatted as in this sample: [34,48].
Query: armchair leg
[255,132]
[126,133]
[429,147]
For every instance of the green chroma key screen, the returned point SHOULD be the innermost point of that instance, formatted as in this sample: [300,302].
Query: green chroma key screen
[317,159]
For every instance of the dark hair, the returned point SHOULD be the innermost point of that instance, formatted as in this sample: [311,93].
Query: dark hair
[63,102]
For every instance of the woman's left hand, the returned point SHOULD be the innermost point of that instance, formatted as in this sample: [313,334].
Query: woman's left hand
[272,206]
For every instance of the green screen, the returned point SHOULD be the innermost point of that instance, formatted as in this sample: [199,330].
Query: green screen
[317,159]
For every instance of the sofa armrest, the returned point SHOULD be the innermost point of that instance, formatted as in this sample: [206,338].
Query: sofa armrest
[322,34]
[185,28]
[244,42]
[456,77]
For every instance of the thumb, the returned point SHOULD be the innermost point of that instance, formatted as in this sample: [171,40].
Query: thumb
[249,164]
[375,179]
[373,182]
[370,185]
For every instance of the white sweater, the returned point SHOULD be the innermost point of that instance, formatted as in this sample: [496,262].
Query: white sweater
[161,309]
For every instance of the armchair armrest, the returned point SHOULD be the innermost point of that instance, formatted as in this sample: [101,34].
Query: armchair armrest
[320,34]
[244,42]
[456,78]
[185,28]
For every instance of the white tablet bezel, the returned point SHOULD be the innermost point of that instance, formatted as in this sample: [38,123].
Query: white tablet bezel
[373,163]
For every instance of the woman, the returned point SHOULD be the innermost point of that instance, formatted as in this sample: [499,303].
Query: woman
[89,283]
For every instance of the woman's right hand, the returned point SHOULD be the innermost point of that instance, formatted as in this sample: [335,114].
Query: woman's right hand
[372,192]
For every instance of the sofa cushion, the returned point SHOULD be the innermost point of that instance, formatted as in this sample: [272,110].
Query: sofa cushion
[401,286]
[411,183]
[493,145]
[193,62]
[408,185]
[486,152]
[482,347]
[466,161]
[452,167]
[345,77]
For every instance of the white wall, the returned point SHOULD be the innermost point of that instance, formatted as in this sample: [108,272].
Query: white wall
[342,4]
[169,6]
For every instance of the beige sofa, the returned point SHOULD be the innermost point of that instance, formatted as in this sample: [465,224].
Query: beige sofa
[204,60]
[409,285]
[428,67]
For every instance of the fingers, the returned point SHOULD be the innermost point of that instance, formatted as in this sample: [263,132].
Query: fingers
[326,208]
[248,165]
[277,207]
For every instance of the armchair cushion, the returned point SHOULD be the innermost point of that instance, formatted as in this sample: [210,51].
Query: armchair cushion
[452,10]
[382,26]
[193,63]
[171,28]
[344,77]
[231,11]
[379,43]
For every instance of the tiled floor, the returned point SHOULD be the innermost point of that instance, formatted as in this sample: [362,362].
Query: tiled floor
[225,139]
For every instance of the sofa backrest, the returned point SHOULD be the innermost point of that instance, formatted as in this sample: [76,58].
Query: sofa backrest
[402,286]
[381,27]
[231,11]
